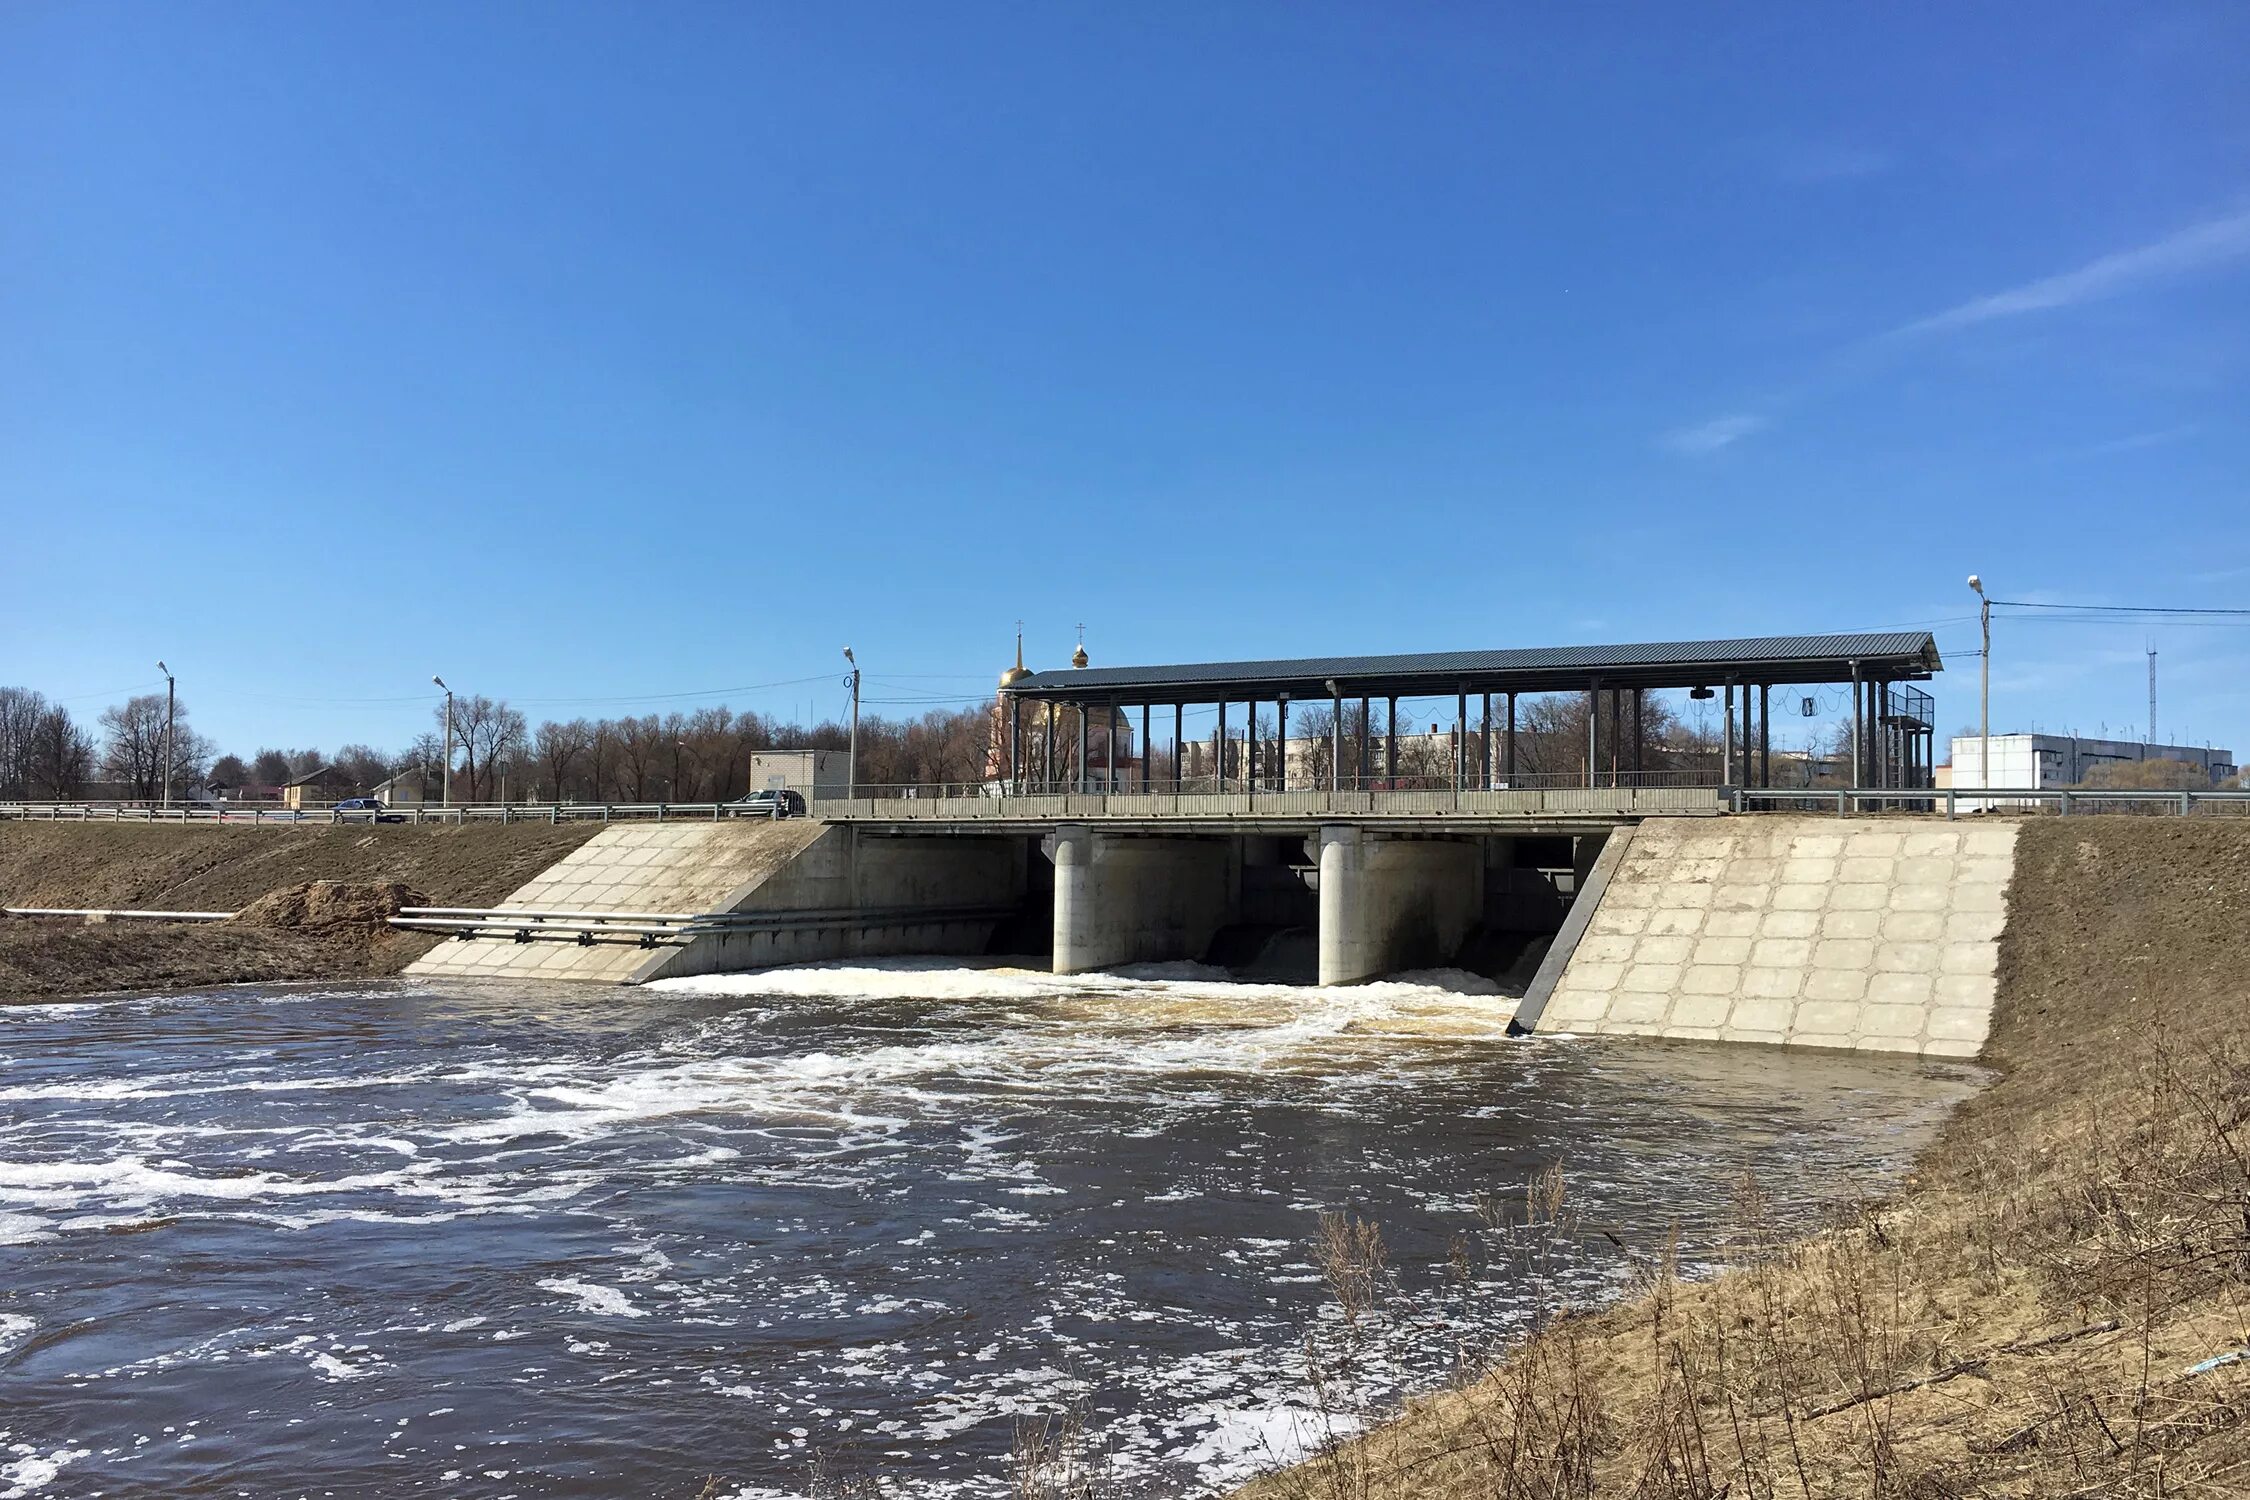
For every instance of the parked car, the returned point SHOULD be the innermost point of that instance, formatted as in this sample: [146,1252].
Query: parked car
[372,807]
[773,802]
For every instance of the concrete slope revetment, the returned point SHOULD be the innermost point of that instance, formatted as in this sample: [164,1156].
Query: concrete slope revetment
[814,891]
[684,868]
[1878,934]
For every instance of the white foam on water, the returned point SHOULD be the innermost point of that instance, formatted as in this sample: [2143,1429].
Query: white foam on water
[32,1471]
[601,1301]
[133,1180]
[14,1329]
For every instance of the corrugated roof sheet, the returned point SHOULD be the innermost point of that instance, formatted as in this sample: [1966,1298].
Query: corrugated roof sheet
[1905,650]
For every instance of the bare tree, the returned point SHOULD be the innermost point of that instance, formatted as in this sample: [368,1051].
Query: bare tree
[134,745]
[269,768]
[487,732]
[559,747]
[21,709]
[62,755]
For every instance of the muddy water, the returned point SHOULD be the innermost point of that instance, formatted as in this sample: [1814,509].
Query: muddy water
[393,1239]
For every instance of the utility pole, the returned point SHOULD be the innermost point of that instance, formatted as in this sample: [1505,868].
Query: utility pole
[171,705]
[2152,696]
[445,782]
[1984,693]
[851,755]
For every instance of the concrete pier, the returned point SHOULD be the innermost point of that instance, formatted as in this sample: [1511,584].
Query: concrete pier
[1122,899]
[1388,904]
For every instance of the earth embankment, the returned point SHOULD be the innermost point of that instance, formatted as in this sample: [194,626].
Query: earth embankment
[326,925]
[2048,1307]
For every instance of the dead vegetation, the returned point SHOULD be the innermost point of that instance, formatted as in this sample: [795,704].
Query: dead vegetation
[310,901]
[2032,1316]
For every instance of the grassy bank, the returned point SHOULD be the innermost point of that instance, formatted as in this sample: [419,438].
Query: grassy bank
[2020,1320]
[227,869]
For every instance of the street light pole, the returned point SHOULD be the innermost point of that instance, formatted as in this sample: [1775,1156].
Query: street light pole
[445,782]
[171,705]
[1984,692]
[851,755]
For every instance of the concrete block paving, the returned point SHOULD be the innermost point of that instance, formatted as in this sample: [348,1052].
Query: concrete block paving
[1883,936]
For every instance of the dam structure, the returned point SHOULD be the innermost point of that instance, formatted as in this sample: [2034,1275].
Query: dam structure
[1381,850]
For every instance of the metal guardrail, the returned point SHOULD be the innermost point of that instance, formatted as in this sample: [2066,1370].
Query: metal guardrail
[109,913]
[657,929]
[267,817]
[1979,801]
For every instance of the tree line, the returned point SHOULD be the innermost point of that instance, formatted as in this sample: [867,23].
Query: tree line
[699,756]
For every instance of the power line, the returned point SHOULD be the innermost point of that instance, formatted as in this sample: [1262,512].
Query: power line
[2119,609]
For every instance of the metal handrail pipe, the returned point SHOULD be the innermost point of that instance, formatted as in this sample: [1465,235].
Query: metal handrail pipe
[477,924]
[102,911]
[542,914]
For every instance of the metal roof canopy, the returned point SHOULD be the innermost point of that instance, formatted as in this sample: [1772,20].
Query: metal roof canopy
[1893,656]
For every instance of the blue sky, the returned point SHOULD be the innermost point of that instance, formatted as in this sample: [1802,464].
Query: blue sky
[588,354]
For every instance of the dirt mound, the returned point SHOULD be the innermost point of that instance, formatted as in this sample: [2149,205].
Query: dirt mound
[331,903]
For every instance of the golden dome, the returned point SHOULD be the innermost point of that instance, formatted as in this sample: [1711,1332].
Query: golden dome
[1018,672]
[1078,657]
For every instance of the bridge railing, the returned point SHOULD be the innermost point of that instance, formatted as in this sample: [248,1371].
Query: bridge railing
[226,815]
[907,805]
[1955,802]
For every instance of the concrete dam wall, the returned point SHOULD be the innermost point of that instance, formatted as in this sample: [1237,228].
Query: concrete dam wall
[1870,933]
[1877,934]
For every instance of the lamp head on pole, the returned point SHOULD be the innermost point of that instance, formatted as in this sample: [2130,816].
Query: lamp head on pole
[849,657]
[167,671]
[1976,583]
[439,681]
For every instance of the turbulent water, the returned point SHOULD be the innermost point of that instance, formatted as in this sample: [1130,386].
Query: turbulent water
[519,1240]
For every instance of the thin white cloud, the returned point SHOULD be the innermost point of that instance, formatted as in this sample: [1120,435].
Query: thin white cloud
[2212,243]
[1711,436]
[2136,441]
[2208,244]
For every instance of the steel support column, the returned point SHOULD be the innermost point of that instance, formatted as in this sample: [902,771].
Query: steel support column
[1390,744]
[1219,747]
[1726,736]
[1148,761]
[1593,731]
[1461,739]
[1179,729]
[1765,734]
[1336,739]
[1859,763]
[1281,718]
[1015,745]
[1509,774]
[1366,740]
[1484,749]
[1082,723]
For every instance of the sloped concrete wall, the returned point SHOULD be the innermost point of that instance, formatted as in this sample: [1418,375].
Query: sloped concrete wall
[1879,934]
[645,867]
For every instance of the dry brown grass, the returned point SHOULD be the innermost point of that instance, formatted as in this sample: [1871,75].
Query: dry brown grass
[2019,1321]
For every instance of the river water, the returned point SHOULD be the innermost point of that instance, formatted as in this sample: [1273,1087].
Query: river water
[538,1240]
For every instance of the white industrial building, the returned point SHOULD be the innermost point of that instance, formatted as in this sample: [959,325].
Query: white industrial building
[2032,761]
